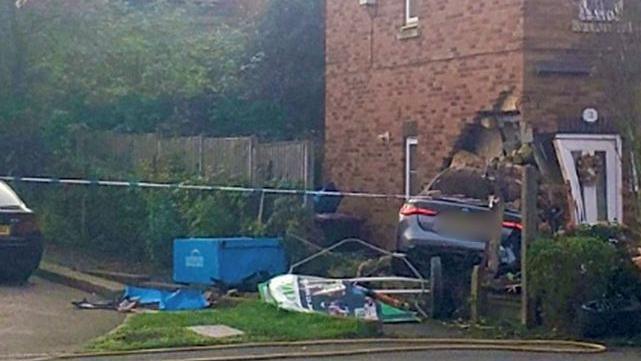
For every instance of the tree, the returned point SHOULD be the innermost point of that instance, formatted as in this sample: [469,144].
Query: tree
[287,63]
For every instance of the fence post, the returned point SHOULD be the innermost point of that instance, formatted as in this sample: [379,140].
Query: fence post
[157,161]
[201,155]
[252,161]
[497,206]
[308,168]
[475,290]
[529,216]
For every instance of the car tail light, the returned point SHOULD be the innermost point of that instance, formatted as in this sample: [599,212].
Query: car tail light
[413,210]
[513,225]
[25,226]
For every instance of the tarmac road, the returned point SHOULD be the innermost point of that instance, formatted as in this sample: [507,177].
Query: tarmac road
[39,318]
[619,355]
[236,354]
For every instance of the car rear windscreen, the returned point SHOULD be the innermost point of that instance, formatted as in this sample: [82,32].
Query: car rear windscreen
[8,198]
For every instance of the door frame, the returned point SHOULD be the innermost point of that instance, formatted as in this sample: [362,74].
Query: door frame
[565,144]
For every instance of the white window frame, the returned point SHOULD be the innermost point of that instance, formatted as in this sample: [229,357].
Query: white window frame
[585,212]
[409,19]
[409,143]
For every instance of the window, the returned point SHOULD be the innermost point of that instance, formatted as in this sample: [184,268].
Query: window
[600,10]
[411,11]
[412,186]
[8,198]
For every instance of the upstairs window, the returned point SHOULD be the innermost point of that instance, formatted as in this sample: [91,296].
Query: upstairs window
[600,10]
[411,11]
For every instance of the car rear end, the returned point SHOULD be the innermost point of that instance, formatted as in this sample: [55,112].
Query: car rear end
[20,238]
[454,227]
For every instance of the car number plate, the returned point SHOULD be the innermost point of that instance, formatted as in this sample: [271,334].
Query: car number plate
[466,226]
[5,230]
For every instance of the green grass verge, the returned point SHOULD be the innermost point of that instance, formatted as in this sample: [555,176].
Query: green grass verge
[259,321]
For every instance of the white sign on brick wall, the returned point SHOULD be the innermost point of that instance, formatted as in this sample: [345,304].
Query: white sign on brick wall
[600,10]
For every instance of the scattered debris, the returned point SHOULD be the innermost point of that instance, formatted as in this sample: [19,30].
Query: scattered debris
[216,331]
[179,300]
[88,305]
[335,297]
[134,297]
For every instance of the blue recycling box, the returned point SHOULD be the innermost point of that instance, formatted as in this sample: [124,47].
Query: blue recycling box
[227,261]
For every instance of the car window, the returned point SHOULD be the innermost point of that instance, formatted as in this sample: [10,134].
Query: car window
[8,198]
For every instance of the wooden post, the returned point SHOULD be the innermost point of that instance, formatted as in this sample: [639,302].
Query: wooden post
[529,218]
[494,245]
[475,290]
[308,170]
[201,155]
[253,162]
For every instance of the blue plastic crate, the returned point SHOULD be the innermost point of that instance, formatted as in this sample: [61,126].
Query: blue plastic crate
[227,261]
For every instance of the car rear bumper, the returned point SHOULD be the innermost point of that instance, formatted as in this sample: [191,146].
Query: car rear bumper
[19,257]
[412,236]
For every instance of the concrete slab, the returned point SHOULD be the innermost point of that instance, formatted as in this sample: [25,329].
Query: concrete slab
[216,331]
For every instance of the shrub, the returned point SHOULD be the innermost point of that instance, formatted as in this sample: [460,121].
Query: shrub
[141,224]
[569,271]
[164,223]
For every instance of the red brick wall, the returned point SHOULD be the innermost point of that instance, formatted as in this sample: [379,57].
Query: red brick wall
[553,98]
[466,54]
[550,100]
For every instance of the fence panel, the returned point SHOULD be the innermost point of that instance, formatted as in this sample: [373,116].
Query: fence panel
[223,159]
[227,158]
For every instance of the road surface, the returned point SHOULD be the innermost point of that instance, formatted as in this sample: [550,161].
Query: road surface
[234,354]
[619,355]
[39,318]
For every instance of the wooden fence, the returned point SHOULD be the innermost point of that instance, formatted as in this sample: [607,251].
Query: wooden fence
[225,159]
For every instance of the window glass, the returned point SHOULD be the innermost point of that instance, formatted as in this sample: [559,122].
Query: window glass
[411,11]
[412,186]
[7,197]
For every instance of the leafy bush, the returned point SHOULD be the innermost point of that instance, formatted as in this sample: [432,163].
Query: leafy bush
[569,271]
[164,224]
[141,224]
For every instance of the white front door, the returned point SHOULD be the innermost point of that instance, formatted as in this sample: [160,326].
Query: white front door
[591,164]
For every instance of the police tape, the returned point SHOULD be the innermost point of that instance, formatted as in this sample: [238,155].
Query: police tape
[196,187]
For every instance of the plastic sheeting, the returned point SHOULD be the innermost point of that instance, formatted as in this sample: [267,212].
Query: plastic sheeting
[179,300]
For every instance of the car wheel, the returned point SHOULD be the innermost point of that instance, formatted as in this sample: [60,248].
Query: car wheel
[436,288]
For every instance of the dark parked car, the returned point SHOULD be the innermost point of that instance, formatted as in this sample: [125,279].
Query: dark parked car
[20,238]
[451,220]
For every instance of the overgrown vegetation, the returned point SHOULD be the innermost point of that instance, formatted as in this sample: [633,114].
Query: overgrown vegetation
[175,67]
[259,321]
[588,264]
[218,68]
[141,224]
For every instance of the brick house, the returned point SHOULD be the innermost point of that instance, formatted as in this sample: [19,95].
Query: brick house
[405,79]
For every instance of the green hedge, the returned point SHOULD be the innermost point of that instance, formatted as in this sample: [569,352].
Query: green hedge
[141,224]
[570,270]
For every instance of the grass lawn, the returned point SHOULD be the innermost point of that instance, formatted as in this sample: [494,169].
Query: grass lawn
[259,321]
